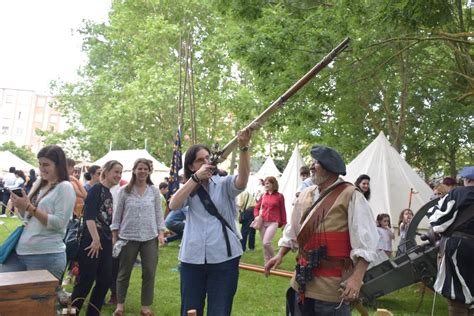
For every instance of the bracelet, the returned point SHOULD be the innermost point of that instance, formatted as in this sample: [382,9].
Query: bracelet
[244,149]
[195,178]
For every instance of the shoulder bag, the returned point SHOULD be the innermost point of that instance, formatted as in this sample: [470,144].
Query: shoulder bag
[258,221]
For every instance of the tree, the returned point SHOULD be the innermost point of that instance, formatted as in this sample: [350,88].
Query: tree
[408,62]
[129,88]
[22,152]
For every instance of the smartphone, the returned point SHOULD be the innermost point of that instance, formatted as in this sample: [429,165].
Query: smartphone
[18,192]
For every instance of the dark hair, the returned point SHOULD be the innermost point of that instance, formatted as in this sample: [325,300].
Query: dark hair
[273,181]
[93,169]
[12,170]
[359,180]
[380,217]
[144,161]
[32,174]
[21,174]
[57,156]
[449,181]
[70,162]
[191,156]
[400,218]
[162,185]
[87,176]
[305,171]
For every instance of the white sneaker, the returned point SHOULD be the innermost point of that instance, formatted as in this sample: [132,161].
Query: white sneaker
[3,215]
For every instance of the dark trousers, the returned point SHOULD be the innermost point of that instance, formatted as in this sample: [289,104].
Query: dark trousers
[5,199]
[313,307]
[217,281]
[90,270]
[115,271]
[248,233]
[149,254]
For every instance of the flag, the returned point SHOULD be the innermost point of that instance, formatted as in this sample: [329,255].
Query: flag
[176,165]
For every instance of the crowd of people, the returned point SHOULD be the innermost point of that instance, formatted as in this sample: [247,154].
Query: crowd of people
[332,229]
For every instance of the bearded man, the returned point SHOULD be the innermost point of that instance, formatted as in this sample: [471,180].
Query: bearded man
[334,231]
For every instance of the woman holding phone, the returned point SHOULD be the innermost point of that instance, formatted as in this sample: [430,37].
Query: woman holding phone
[46,212]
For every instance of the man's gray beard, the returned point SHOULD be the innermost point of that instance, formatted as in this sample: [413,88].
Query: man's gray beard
[319,179]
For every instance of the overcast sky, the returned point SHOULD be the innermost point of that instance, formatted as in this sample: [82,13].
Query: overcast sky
[37,43]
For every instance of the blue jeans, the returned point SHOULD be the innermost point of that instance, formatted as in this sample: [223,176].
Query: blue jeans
[5,198]
[218,281]
[55,263]
[175,222]
[247,231]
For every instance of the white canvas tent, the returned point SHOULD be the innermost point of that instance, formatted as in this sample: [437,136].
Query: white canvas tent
[268,169]
[290,180]
[7,160]
[391,180]
[127,159]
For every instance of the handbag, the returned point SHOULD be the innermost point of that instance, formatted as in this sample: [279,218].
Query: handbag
[258,221]
[10,243]
[72,239]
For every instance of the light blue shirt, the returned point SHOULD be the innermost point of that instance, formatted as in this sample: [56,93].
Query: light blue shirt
[203,239]
[306,184]
[39,239]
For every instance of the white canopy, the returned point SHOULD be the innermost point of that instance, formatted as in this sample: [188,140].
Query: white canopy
[391,180]
[7,160]
[268,169]
[127,159]
[290,180]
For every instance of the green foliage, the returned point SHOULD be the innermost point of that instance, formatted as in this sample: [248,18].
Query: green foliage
[408,72]
[22,152]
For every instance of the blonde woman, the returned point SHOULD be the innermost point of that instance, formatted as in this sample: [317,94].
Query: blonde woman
[138,221]
[95,254]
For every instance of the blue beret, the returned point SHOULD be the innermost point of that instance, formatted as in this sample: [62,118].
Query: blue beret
[329,159]
[467,172]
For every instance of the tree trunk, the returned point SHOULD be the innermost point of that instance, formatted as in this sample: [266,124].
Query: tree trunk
[452,162]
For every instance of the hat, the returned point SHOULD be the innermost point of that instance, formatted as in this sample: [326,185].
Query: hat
[467,172]
[329,159]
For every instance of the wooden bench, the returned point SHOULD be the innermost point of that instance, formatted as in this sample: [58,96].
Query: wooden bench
[28,293]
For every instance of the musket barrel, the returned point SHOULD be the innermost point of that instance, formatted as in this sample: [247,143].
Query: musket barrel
[256,123]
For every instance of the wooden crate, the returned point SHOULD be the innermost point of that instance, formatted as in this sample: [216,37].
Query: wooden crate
[28,293]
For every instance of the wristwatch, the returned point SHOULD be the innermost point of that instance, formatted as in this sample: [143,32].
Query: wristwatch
[245,148]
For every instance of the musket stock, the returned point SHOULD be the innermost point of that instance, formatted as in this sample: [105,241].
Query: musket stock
[220,155]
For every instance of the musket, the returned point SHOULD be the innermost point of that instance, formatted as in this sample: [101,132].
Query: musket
[218,156]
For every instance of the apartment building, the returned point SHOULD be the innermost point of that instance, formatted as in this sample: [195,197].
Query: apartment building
[22,112]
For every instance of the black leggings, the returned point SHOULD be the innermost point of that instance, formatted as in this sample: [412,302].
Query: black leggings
[90,270]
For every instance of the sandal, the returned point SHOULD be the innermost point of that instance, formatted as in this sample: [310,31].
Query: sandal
[117,313]
[147,313]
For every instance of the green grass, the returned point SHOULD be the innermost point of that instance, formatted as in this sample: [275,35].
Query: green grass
[256,295]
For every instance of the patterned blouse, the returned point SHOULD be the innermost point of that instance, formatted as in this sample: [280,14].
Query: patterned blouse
[138,217]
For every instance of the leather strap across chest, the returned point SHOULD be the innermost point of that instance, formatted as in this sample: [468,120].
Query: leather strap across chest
[324,205]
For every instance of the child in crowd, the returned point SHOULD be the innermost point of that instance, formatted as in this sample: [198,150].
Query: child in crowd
[403,223]
[385,233]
